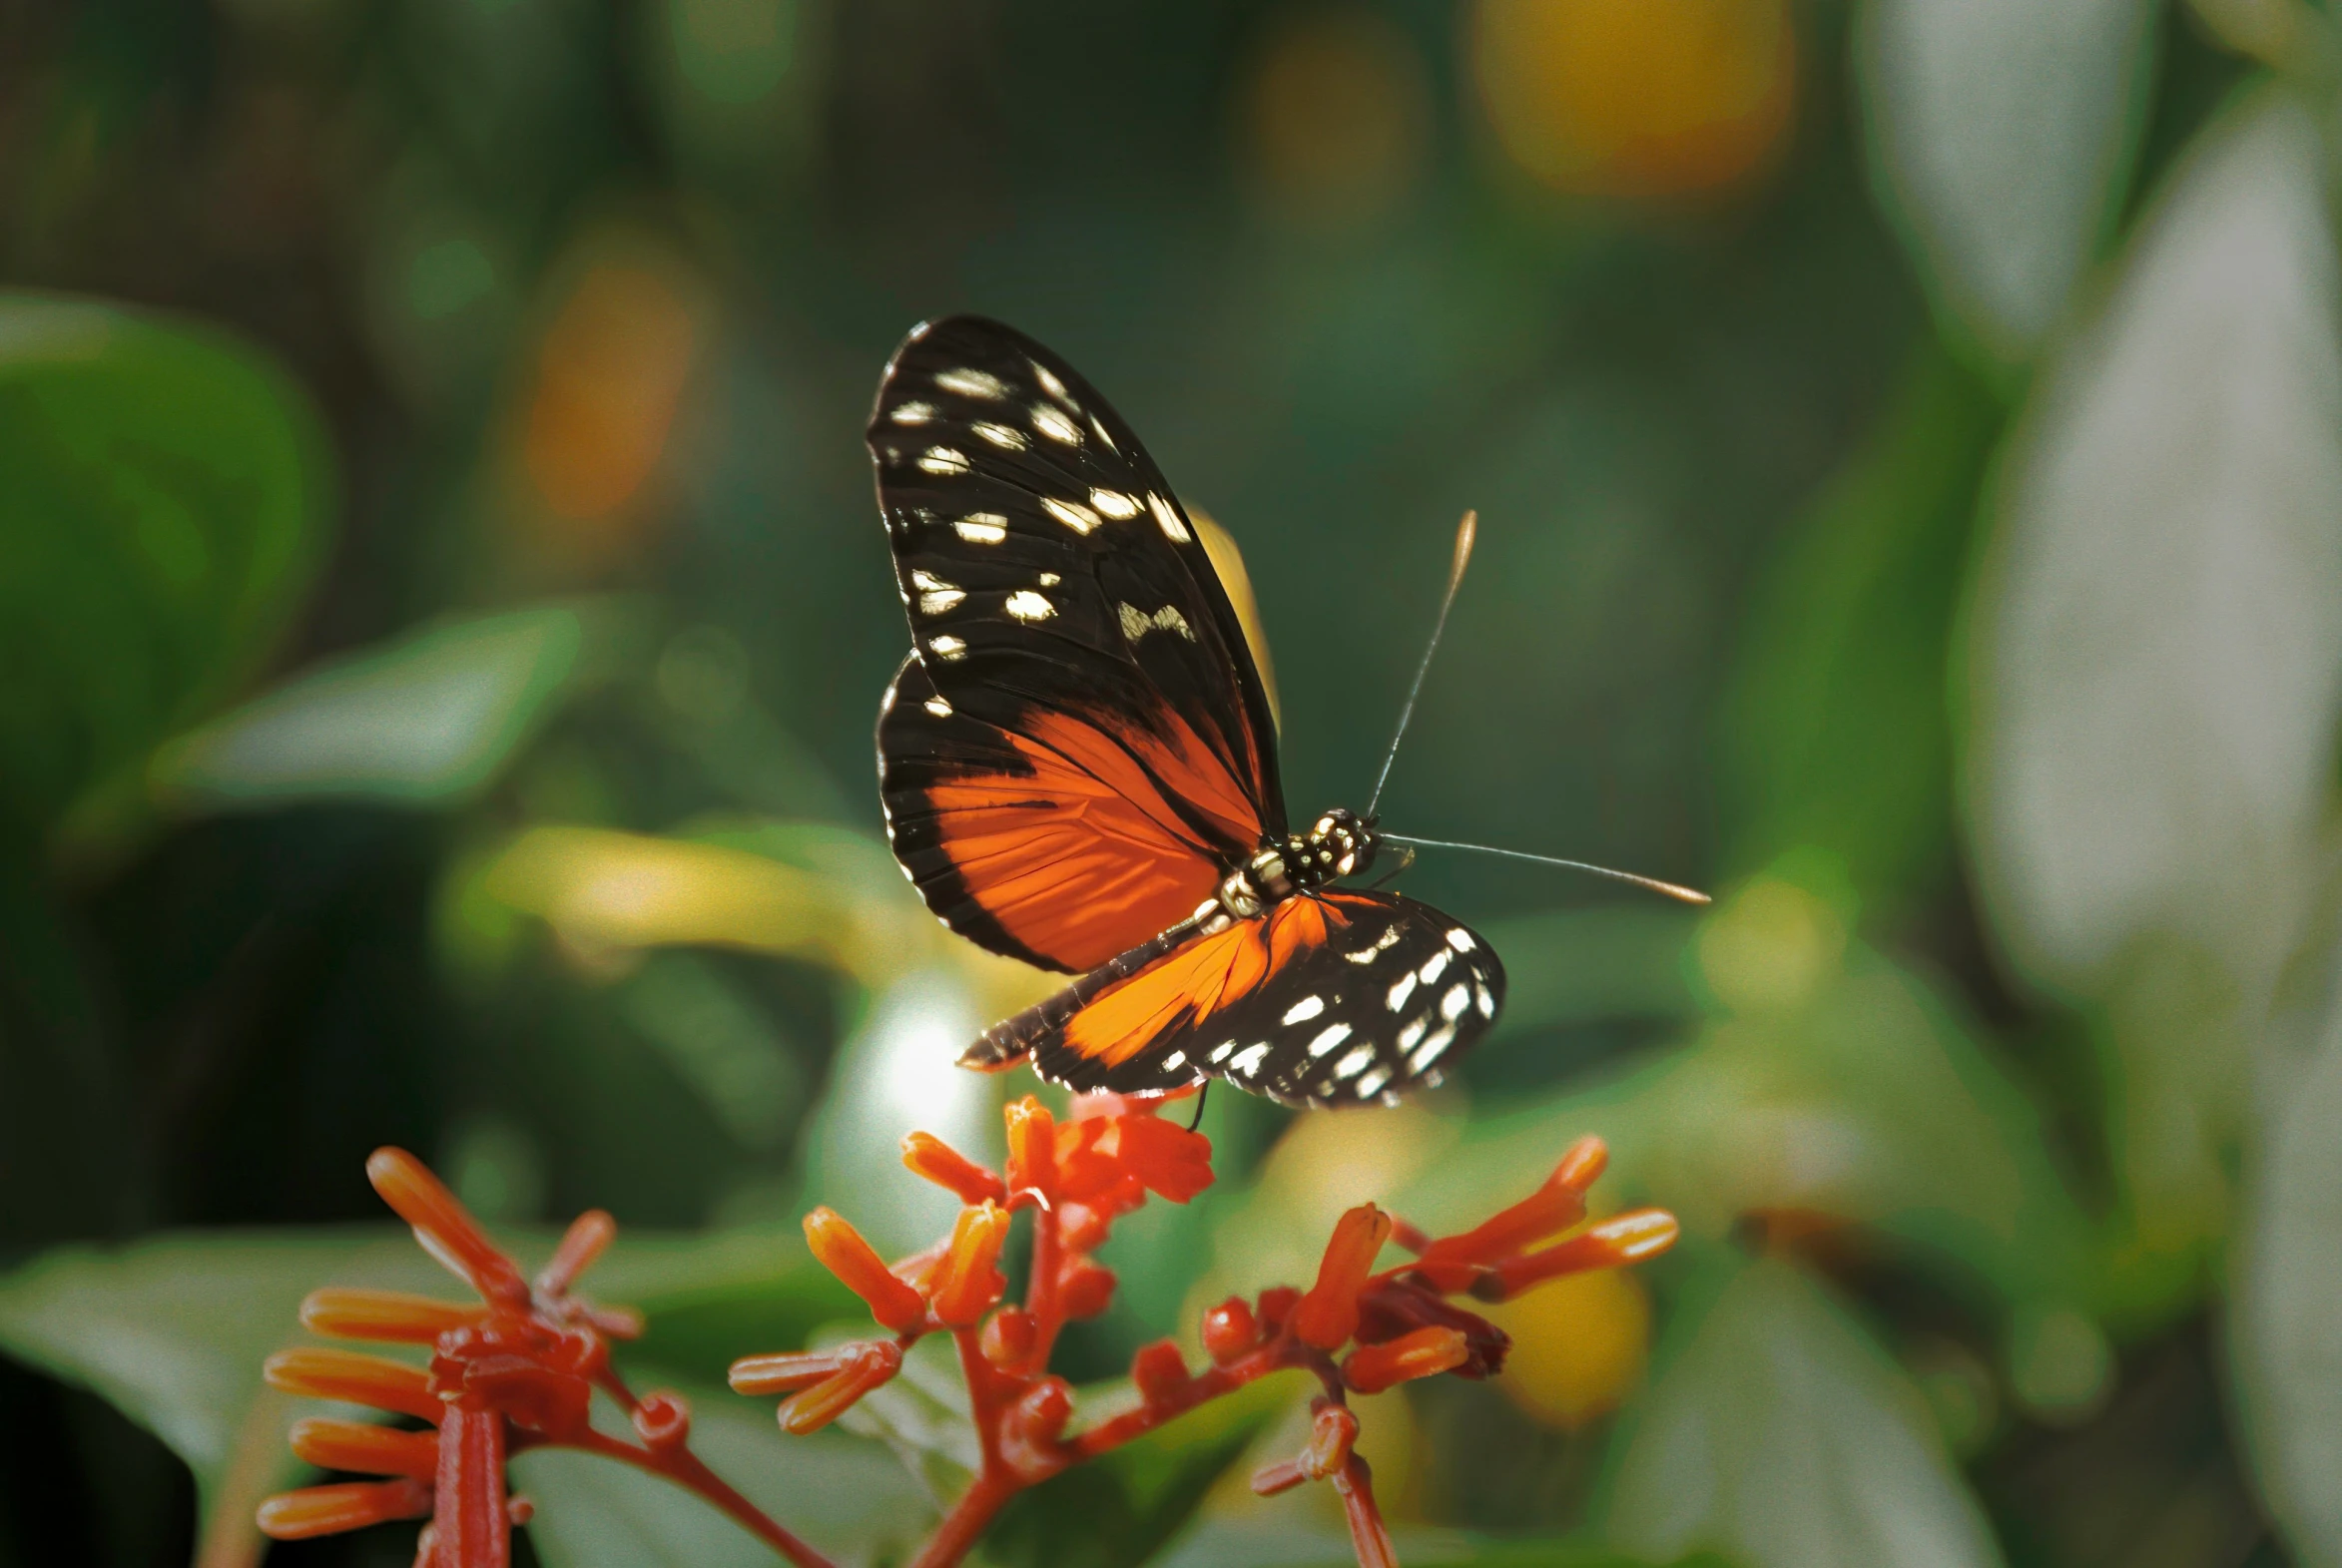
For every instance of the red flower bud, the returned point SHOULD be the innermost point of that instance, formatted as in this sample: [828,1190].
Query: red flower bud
[443,1227]
[366,1448]
[844,1253]
[1009,1336]
[1283,1476]
[1622,1239]
[1159,1372]
[1328,1315]
[1032,1147]
[871,1365]
[947,1167]
[1030,1428]
[1082,1229]
[1230,1329]
[1425,1352]
[1393,1308]
[1276,1305]
[663,1422]
[393,1315]
[1084,1290]
[322,1374]
[349,1505]
[967,1283]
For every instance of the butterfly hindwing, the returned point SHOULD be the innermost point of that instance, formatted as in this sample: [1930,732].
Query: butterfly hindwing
[1081,741]
[1330,998]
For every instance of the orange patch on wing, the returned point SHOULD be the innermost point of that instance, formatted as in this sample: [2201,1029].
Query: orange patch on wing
[1086,858]
[1182,989]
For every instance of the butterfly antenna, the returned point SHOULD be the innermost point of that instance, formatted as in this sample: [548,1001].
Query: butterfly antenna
[1690,895]
[1465,532]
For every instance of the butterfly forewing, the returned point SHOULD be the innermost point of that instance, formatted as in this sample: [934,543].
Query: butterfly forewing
[1333,998]
[1081,741]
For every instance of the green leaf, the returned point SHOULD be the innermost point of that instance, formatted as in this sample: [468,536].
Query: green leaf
[1116,1511]
[426,720]
[2000,131]
[2158,654]
[1780,1435]
[164,509]
[845,1497]
[922,1414]
[1836,731]
[2286,1334]
[2157,660]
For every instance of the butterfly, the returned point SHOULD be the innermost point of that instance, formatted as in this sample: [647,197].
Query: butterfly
[1077,763]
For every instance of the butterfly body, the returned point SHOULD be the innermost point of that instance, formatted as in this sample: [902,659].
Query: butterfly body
[1079,763]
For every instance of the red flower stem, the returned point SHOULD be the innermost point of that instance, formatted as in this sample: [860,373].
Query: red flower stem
[1041,1291]
[1278,1354]
[966,1524]
[1369,1536]
[686,1469]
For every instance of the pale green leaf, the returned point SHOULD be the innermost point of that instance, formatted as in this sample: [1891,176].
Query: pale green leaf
[1780,1435]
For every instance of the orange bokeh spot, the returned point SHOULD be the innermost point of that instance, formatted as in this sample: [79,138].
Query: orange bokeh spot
[610,374]
[1640,99]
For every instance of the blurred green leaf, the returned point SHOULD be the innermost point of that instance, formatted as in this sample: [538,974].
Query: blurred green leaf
[1778,1434]
[922,1414]
[1864,1101]
[171,1333]
[2157,651]
[1835,729]
[2285,1333]
[165,506]
[845,1497]
[2000,131]
[1116,1512]
[427,719]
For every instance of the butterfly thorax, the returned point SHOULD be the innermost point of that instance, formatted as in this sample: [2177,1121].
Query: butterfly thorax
[1338,844]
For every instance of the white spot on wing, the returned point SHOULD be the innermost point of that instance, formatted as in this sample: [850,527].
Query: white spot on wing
[981,528]
[1136,623]
[1359,1059]
[922,579]
[1411,1033]
[943,460]
[1049,579]
[1402,990]
[1486,1001]
[1028,605]
[1114,504]
[1434,966]
[1305,1009]
[936,706]
[913,413]
[1056,425]
[1049,382]
[1167,519]
[1175,1061]
[1365,956]
[1460,940]
[1072,514]
[1328,1038]
[972,383]
[946,648]
[1220,1051]
[1431,1048]
[1248,1058]
[1373,1081]
[1005,437]
[940,599]
[1103,436]
[1458,997]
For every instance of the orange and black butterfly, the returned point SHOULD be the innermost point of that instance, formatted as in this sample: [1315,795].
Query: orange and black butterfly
[1078,763]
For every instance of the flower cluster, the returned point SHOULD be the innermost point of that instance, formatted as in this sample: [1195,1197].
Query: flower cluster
[1357,1330]
[521,1367]
[514,1372]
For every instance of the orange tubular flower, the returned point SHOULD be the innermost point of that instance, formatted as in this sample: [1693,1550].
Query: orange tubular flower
[516,1368]
[1453,1262]
[1032,1148]
[843,1252]
[1624,1239]
[1328,1315]
[869,1366]
[930,1157]
[968,1284]
[1425,1352]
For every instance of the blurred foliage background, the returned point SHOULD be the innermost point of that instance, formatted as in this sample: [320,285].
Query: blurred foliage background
[442,613]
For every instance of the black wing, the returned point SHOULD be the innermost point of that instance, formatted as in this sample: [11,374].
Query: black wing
[1080,743]
[1332,999]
